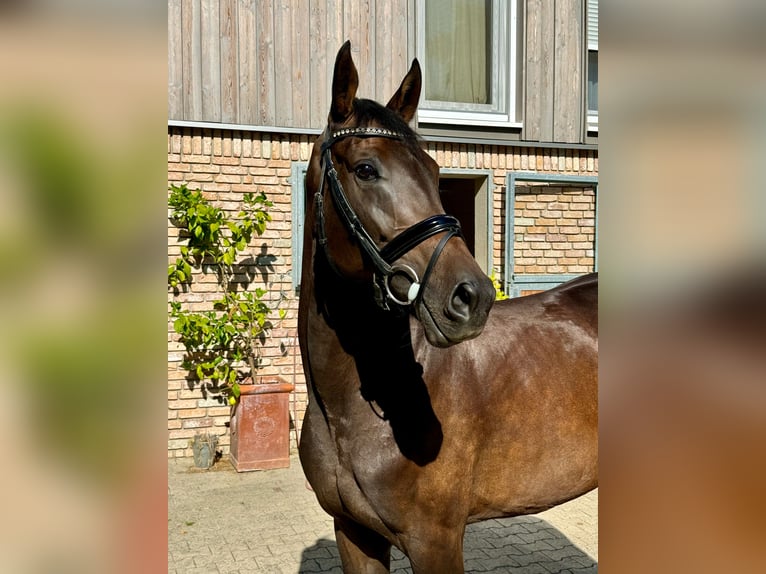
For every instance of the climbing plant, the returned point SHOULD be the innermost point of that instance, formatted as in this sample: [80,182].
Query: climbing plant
[222,343]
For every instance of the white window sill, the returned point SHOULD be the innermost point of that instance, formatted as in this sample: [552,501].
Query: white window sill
[466,118]
[593,122]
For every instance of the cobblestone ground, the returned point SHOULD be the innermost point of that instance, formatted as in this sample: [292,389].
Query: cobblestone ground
[221,521]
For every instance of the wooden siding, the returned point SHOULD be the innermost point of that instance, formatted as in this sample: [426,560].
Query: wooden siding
[269,62]
[554,71]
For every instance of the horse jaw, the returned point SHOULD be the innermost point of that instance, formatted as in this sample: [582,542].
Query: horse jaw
[433,334]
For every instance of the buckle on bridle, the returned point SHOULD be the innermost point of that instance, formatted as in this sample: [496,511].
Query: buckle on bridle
[411,274]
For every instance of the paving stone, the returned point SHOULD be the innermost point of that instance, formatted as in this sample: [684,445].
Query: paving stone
[535,568]
[268,522]
[561,553]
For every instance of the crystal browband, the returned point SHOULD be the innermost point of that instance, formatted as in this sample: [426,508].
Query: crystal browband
[365,131]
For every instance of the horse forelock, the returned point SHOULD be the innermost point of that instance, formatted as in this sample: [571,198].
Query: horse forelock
[368,113]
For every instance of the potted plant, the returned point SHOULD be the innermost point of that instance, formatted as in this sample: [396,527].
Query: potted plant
[223,344]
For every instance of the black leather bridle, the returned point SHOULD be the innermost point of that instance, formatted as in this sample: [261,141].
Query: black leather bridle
[383,260]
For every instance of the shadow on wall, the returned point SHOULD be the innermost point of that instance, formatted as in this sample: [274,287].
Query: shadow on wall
[506,545]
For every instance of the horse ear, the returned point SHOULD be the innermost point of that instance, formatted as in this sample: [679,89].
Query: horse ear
[345,80]
[405,101]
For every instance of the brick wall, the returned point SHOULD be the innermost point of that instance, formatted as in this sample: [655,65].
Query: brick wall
[224,164]
[554,229]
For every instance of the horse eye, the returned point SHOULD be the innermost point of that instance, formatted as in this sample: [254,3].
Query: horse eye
[365,172]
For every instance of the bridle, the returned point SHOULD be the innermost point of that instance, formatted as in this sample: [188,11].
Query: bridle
[383,260]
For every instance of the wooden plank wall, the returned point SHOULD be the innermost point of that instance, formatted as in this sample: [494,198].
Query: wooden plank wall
[554,88]
[269,62]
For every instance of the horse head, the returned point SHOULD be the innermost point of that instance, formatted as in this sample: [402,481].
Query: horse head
[378,216]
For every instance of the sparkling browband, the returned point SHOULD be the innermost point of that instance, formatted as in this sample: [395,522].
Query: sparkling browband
[365,131]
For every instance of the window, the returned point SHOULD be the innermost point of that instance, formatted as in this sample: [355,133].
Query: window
[592,89]
[468,50]
[551,230]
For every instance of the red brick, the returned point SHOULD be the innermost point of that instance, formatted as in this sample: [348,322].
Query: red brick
[205,168]
[180,444]
[229,178]
[205,422]
[181,433]
[191,413]
[226,160]
[183,404]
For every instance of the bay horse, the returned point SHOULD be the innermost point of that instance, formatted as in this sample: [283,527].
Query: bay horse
[428,407]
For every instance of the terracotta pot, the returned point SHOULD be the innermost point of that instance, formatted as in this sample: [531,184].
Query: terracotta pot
[260,426]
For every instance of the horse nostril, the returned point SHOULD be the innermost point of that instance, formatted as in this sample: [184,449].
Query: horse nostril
[463,301]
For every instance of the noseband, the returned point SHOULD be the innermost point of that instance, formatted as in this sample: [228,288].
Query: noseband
[383,260]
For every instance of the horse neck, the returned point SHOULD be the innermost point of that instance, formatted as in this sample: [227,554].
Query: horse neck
[362,364]
[346,324]
[343,332]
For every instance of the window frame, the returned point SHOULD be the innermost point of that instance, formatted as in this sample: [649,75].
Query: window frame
[298,171]
[591,45]
[505,80]
[514,284]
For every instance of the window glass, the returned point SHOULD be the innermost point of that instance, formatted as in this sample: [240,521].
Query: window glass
[592,80]
[458,51]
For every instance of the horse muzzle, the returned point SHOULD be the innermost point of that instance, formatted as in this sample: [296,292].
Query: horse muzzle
[461,314]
